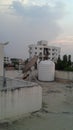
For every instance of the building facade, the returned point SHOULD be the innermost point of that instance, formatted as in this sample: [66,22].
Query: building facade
[7,60]
[44,51]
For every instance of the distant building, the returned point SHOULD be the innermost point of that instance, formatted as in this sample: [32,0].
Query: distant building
[17,63]
[7,60]
[44,51]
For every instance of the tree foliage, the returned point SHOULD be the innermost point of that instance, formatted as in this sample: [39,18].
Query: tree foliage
[64,64]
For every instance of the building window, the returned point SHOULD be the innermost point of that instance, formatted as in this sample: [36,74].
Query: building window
[58,55]
[35,53]
[30,48]
[40,53]
[53,58]
[30,52]
[40,48]
[40,58]
[35,47]
[53,49]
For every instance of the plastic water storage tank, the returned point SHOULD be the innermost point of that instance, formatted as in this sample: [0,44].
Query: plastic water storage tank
[46,70]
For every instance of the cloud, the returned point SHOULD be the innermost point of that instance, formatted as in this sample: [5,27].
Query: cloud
[35,11]
[5,2]
[25,24]
[42,20]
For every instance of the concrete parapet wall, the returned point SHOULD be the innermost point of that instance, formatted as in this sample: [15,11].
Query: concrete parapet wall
[65,75]
[19,101]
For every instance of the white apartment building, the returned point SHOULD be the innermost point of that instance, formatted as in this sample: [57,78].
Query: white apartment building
[44,51]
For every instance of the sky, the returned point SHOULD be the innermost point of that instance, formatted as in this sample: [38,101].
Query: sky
[23,22]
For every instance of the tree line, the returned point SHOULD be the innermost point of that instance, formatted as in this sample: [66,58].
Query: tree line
[64,64]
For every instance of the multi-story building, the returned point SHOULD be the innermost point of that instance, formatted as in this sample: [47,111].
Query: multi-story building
[44,51]
[7,60]
[17,63]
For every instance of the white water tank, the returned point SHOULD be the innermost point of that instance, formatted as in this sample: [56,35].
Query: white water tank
[46,70]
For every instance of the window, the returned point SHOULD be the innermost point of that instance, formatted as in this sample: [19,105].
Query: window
[53,53]
[35,47]
[30,52]
[30,48]
[53,49]
[40,53]
[35,53]
[49,49]
[40,48]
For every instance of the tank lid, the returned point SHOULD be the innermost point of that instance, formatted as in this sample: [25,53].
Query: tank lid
[47,62]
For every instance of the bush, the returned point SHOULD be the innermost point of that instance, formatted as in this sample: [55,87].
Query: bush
[68,68]
[64,64]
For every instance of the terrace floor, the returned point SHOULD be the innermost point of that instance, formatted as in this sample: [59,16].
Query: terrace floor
[56,112]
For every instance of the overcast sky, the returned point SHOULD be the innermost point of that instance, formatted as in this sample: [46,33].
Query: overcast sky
[23,22]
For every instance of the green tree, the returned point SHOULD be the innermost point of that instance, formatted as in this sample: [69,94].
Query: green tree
[65,62]
[65,58]
[58,65]
[69,60]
